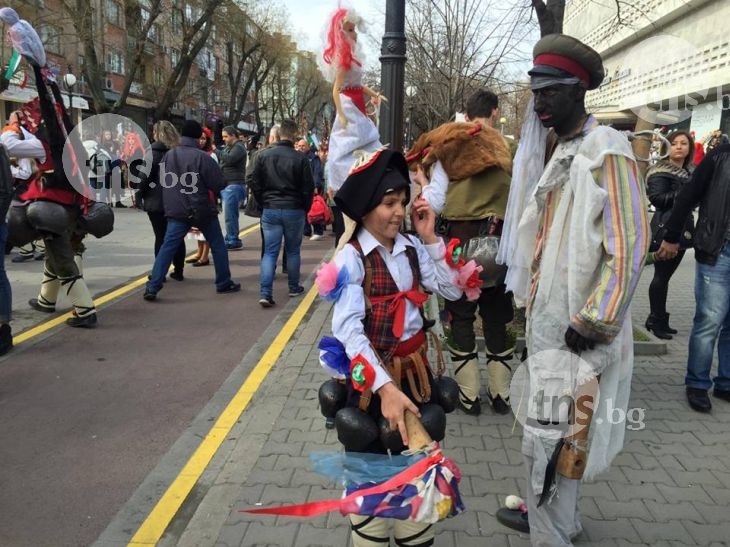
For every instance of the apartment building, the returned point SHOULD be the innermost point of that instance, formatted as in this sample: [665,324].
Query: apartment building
[115,32]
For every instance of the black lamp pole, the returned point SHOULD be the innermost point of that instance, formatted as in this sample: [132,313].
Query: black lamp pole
[392,75]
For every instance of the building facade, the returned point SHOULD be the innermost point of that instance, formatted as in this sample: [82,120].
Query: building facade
[667,61]
[115,34]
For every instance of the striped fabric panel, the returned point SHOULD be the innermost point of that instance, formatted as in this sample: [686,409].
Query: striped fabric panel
[546,223]
[625,241]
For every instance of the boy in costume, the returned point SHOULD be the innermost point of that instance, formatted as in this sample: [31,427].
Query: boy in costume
[377,318]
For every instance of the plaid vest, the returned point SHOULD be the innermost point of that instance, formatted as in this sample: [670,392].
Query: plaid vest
[378,321]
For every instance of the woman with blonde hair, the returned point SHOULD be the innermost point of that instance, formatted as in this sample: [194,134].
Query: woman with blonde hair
[165,137]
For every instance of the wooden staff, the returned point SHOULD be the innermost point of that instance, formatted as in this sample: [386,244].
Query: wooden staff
[418,437]
[574,452]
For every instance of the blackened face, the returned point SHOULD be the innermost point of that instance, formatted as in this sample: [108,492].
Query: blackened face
[559,106]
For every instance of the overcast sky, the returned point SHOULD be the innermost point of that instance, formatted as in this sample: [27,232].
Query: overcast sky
[308,20]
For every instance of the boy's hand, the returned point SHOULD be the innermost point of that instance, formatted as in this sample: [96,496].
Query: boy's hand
[424,220]
[393,405]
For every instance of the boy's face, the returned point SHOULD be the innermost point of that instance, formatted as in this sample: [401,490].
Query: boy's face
[384,222]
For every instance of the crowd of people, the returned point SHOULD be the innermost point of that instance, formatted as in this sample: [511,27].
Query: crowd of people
[566,219]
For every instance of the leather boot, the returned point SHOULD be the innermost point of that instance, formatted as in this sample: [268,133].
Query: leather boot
[659,326]
[466,374]
[670,330]
[500,376]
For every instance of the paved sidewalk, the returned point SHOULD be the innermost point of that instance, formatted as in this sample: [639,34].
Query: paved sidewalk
[669,487]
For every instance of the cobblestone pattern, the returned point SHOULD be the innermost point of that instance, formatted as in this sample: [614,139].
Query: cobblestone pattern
[669,487]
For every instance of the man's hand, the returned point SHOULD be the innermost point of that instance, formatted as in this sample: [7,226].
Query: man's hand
[393,405]
[420,178]
[577,342]
[667,251]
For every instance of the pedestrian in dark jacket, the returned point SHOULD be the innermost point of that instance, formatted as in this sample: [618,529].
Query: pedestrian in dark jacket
[150,192]
[232,159]
[664,181]
[190,181]
[282,183]
[710,188]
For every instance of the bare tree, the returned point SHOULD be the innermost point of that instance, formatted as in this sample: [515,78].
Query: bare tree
[197,24]
[141,19]
[250,47]
[550,14]
[456,46]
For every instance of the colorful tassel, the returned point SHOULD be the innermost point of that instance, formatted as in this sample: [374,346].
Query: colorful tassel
[333,358]
[331,281]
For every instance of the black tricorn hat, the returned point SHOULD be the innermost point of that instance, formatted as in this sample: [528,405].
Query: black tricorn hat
[560,55]
[370,179]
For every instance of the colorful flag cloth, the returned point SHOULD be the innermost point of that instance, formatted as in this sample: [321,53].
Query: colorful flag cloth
[426,491]
[428,498]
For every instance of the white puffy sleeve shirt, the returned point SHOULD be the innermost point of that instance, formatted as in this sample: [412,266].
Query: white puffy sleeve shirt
[349,310]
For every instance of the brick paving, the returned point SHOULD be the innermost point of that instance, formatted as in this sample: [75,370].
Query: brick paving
[669,487]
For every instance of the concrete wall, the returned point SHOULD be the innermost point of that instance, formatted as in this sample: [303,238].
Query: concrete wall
[673,54]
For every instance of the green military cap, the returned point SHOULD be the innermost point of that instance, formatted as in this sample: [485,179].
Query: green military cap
[561,56]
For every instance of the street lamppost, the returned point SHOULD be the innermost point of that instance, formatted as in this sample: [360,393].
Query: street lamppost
[70,81]
[393,61]
[502,121]
[410,93]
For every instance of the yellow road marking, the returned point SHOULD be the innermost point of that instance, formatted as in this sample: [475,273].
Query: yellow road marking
[154,526]
[121,291]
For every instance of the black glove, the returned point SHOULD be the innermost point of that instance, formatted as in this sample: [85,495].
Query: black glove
[576,341]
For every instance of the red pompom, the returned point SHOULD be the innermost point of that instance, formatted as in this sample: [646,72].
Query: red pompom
[454,253]
[362,373]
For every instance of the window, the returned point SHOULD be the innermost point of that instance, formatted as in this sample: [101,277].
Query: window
[114,61]
[174,56]
[113,12]
[51,38]
[177,21]
[155,33]
[158,76]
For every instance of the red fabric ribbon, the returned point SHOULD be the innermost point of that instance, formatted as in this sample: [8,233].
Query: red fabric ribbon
[314,508]
[398,306]
[357,96]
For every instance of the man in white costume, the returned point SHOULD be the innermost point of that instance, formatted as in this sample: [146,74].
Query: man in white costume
[584,234]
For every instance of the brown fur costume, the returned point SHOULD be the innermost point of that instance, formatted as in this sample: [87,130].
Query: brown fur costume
[464,149]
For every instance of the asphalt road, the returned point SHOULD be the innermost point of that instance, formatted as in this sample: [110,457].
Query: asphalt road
[85,415]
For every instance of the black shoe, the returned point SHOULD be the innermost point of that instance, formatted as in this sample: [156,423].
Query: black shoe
[299,291]
[723,394]
[229,287]
[33,303]
[149,295]
[6,339]
[86,322]
[658,326]
[329,423]
[266,302]
[499,405]
[669,329]
[21,258]
[475,409]
[698,399]
[120,205]
[177,276]
[514,519]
